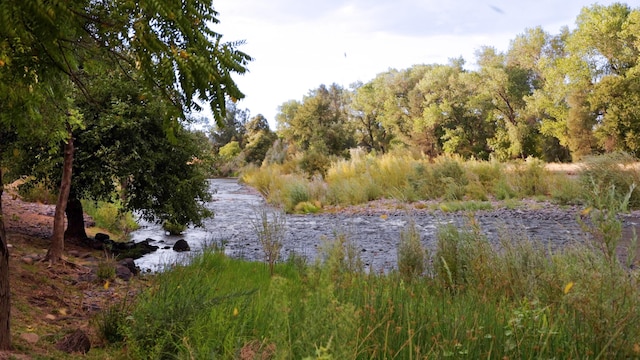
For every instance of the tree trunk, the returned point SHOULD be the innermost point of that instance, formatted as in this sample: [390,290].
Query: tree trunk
[57,239]
[75,220]
[5,293]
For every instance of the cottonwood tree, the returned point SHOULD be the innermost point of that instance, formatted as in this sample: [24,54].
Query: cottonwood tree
[171,44]
[366,113]
[231,128]
[260,138]
[320,123]
[455,119]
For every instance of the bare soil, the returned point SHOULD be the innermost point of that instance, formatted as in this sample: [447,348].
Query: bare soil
[51,301]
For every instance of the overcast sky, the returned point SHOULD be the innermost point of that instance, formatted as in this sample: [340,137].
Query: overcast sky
[298,45]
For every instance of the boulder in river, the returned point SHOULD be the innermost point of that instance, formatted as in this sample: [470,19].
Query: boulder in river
[181,245]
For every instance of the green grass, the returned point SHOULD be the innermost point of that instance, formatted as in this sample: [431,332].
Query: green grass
[107,216]
[472,301]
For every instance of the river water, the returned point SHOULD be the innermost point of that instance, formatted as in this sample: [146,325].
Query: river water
[374,232]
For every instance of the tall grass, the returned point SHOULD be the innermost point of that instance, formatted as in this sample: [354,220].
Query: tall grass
[474,300]
[400,175]
[614,170]
[109,217]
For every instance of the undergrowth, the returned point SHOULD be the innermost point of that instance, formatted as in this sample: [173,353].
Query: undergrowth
[402,176]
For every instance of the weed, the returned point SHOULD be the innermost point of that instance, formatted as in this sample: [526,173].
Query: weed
[270,230]
[411,254]
[173,228]
[106,268]
[605,227]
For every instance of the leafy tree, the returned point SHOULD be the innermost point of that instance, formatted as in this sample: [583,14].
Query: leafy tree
[606,45]
[170,44]
[260,138]
[401,104]
[591,86]
[232,127]
[320,122]
[454,119]
[366,114]
[179,40]
[508,84]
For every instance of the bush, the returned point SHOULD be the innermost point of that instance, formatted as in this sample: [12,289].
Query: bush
[173,228]
[106,269]
[30,191]
[110,217]
[529,178]
[455,254]
[271,231]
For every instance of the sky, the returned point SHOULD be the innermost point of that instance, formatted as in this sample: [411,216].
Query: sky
[297,45]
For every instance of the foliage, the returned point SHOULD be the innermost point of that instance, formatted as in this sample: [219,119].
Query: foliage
[106,270]
[231,129]
[110,217]
[528,178]
[260,139]
[173,228]
[557,97]
[230,150]
[318,123]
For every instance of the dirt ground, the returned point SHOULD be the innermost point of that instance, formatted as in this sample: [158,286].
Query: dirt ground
[51,301]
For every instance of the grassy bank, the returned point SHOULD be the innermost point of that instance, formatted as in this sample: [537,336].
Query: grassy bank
[464,300]
[408,178]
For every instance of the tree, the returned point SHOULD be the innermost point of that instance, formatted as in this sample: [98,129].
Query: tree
[508,85]
[169,43]
[401,103]
[179,55]
[454,119]
[260,138]
[232,127]
[320,123]
[590,92]
[366,113]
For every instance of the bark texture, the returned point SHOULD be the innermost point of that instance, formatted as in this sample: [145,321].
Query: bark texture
[56,248]
[5,293]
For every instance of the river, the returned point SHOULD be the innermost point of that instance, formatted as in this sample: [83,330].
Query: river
[374,232]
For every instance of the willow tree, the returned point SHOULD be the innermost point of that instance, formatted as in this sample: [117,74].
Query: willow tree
[44,44]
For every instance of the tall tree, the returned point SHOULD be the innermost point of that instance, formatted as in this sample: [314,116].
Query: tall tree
[232,127]
[170,43]
[320,122]
[454,119]
[508,85]
[401,104]
[260,138]
[366,113]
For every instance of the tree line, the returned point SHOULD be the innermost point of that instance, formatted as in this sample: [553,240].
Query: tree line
[555,97]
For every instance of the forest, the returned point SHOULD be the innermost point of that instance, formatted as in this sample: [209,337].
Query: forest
[555,97]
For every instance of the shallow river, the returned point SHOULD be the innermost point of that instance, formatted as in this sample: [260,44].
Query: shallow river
[375,233]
